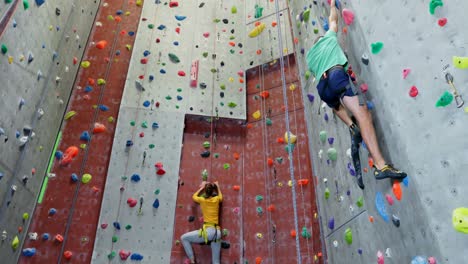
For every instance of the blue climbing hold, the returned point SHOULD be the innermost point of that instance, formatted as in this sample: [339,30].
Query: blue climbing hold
[380,205]
[156,203]
[161,27]
[17,134]
[119,12]
[88,89]
[325,23]
[135,178]
[85,136]
[45,236]
[419,260]
[311,97]
[117,53]
[52,211]
[180,18]
[325,117]
[136,256]
[39,2]
[331,223]
[58,154]
[103,108]
[155,125]
[179,98]
[129,143]
[29,252]
[131,33]
[146,103]
[370,105]
[74,177]
[313,22]
[406,181]
[162,71]
[146,53]
[116,225]
[151,78]
[1,175]
[176,43]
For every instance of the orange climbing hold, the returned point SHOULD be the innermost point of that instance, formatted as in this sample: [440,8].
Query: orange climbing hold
[91,81]
[271,208]
[293,233]
[258,260]
[20,229]
[397,190]
[241,80]
[264,94]
[67,254]
[280,140]
[68,156]
[236,155]
[273,24]
[257,23]
[270,162]
[232,44]
[296,40]
[365,170]
[371,162]
[236,188]
[99,128]
[101,44]
[303,182]
[345,30]
[117,19]
[58,238]
[371,219]
[249,126]
[259,51]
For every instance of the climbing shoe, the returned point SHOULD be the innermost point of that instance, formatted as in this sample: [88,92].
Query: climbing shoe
[355,140]
[388,172]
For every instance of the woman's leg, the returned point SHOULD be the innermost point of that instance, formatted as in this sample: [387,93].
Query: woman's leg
[215,245]
[187,239]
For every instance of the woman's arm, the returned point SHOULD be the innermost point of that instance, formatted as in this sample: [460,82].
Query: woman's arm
[195,196]
[220,195]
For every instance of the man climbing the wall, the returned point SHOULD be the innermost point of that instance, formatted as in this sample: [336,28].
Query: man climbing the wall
[209,197]
[327,61]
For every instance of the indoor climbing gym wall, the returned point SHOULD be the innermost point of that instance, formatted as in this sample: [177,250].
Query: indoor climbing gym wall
[41,43]
[400,55]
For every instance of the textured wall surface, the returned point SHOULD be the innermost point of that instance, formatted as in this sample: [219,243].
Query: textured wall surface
[38,31]
[429,143]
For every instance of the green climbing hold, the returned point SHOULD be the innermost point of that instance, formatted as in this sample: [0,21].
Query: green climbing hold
[15,243]
[434,4]
[232,104]
[268,122]
[151,146]
[168,97]
[323,136]
[226,166]
[8,1]
[132,123]
[115,239]
[327,193]
[222,86]
[128,227]
[307,75]
[206,144]
[259,210]
[204,175]
[213,70]
[124,178]
[305,233]
[332,154]
[360,202]
[173,58]
[258,11]
[157,191]
[232,51]
[111,255]
[205,54]
[376,47]
[179,90]
[445,99]
[279,160]
[316,30]
[216,20]
[25,4]
[25,216]
[216,155]
[348,236]
[151,26]
[144,124]
[306,15]
[86,178]
[225,232]
[460,220]
[69,115]
[4,49]
[258,198]
[234,10]
[231,37]
[177,106]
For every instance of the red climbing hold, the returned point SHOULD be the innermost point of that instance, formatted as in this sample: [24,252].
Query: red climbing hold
[141,77]
[132,202]
[158,40]
[389,199]
[280,140]
[258,260]
[236,188]
[161,171]
[364,87]
[303,182]
[442,21]
[293,233]
[144,61]
[177,30]
[104,225]
[75,60]
[232,44]
[124,254]
[270,162]
[157,104]
[413,91]
[99,128]
[158,165]
[271,208]
[58,238]
[236,156]
[264,94]
[142,134]
[68,156]
[101,44]
[91,81]
[406,72]
[67,254]
[181,73]
[173,4]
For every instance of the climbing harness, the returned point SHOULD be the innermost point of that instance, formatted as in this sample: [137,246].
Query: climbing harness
[203,232]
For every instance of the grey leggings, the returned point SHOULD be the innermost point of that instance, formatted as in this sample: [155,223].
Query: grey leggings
[194,237]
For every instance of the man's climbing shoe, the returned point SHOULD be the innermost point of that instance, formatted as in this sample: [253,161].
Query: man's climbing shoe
[389,172]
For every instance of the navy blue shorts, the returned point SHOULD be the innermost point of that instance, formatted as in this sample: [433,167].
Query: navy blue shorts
[333,88]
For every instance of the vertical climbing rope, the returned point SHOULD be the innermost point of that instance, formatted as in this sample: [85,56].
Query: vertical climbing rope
[291,163]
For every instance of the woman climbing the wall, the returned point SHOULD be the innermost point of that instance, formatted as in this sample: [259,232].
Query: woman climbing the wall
[209,197]
[327,61]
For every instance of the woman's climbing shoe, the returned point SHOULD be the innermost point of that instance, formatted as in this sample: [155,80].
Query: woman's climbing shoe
[389,172]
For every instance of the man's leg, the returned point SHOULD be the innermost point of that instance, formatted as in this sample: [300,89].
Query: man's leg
[343,115]
[367,128]
[187,239]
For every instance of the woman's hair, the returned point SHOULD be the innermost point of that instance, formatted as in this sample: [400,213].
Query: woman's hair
[210,189]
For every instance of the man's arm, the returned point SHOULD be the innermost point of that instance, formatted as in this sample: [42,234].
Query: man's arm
[333,18]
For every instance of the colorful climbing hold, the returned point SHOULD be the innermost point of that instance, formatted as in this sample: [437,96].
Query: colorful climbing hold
[460,220]
[332,154]
[348,16]
[86,178]
[376,47]
[396,188]
[413,92]
[445,99]
[442,21]
[380,205]
[348,236]
[433,5]
[460,62]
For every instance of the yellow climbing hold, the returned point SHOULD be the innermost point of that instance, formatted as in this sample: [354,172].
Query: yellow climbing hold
[292,87]
[110,17]
[127,13]
[460,220]
[257,115]
[460,62]
[128,46]
[139,2]
[69,115]
[15,243]
[101,81]
[231,79]
[85,64]
[51,28]
[10,59]
[466,109]
[292,136]
[83,146]
[25,216]
[290,183]
[86,178]
[21,58]
[285,50]
[257,30]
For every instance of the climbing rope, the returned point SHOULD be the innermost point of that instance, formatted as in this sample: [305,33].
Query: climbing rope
[291,163]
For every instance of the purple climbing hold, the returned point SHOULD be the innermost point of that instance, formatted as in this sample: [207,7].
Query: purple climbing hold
[325,117]
[331,223]
[359,251]
[311,97]
[331,140]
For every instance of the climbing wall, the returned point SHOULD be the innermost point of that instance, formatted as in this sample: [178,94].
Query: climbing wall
[39,41]
[405,77]
[252,167]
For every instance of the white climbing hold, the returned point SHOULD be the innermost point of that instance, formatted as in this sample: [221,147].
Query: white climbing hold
[33,236]
[320,153]
[348,153]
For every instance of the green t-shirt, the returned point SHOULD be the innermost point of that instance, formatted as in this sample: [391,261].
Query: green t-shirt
[325,54]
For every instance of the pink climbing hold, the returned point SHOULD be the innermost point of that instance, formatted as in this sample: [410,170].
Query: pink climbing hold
[406,72]
[206,34]
[442,21]
[432,260]
[132,202]
[380,258]
[389,199]
[104,225]
[240,73]
[124,254]
[364,87]
[348,16]
[181,73]
[413,92]
[177,30]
